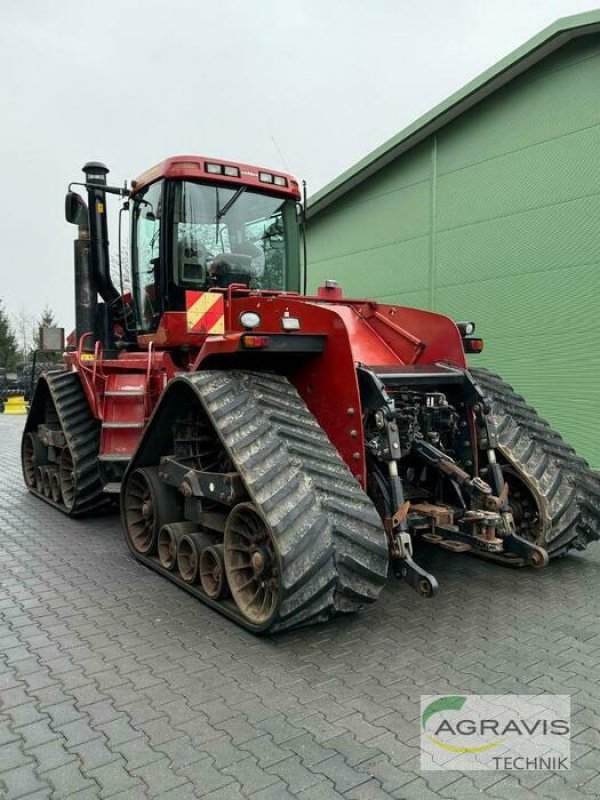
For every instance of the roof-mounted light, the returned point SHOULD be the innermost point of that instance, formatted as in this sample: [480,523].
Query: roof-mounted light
[279,180]
[222,169]
[265,177]
[185,164]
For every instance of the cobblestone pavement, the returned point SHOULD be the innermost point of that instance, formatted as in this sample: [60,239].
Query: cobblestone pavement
[116,684]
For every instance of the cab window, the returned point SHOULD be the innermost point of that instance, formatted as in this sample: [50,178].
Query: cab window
[146,222]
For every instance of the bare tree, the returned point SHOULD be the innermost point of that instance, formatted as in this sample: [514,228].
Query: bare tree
[124,271]
[26,332]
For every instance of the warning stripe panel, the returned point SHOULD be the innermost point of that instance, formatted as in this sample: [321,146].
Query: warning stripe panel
[205,312]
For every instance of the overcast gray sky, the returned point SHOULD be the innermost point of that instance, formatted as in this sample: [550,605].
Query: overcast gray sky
[129,82]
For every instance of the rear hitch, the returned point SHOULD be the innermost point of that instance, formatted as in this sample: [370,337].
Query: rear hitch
[399,537]
[406,567]
[532,554]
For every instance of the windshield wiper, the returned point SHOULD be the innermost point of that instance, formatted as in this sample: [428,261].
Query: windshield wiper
[221,212]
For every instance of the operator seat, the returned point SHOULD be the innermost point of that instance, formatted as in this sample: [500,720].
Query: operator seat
[231,268]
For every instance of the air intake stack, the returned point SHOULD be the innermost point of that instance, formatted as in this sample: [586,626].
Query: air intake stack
[95,176]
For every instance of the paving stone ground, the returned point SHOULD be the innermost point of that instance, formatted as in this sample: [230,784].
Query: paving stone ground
[116,684]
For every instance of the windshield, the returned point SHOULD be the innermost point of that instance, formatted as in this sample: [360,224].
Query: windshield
[226,235]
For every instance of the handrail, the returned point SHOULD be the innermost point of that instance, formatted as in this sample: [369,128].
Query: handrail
[230,289]
[148,372]
[82,339]
[98,352]
[242,288]
[93,372]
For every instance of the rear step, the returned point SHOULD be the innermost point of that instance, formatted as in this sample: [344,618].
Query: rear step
[125,393]
[121,425]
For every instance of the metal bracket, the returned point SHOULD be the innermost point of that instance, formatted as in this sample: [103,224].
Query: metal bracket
[403,564]
[51,437]
[488,436]
[404,541]
[419,579]
[532,555]
[223,487]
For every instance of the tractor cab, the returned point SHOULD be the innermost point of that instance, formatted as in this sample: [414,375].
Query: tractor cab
[195,225]
[209,230]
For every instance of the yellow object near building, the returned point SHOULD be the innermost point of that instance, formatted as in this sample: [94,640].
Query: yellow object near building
[15,405]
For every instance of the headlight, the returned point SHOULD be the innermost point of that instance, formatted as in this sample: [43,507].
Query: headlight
[249,319]
[466,328]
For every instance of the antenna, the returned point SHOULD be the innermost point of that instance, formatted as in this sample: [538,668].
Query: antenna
[305,276]
[285,166]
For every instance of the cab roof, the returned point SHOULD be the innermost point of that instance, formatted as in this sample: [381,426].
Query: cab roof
[203,168]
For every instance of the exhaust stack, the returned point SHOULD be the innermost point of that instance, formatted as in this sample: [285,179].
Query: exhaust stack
[95,175]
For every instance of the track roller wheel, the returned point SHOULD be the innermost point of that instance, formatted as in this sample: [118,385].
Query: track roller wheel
[66,476]
[169,537]
[212,572]
[39,479]
[33,455]
[46,478]
[149,504]
[252,564]
[188,555]
[55,491]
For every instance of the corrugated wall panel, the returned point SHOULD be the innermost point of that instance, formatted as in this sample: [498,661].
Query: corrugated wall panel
[387,219]
[497,220]
[535,241]
[554,98]
[366,272]
[538,176]
[384,228]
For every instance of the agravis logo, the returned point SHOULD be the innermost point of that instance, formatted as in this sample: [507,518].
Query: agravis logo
[452,703]
[495,732]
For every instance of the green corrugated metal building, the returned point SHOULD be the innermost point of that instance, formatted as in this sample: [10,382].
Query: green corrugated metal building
[488,208]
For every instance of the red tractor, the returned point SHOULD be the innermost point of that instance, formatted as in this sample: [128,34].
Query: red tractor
[274,453]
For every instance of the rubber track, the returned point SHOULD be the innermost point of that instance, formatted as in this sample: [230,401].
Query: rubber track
[331,541]
[567,490]
[82,433]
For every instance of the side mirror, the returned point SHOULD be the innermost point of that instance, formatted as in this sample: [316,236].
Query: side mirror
[75,209]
